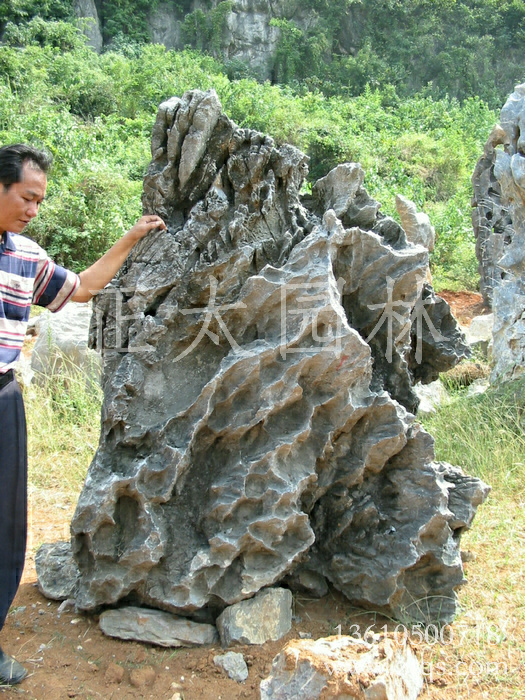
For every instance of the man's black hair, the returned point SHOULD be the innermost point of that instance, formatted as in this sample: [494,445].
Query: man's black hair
[15,156]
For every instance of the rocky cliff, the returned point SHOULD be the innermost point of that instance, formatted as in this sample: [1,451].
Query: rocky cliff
[245,35]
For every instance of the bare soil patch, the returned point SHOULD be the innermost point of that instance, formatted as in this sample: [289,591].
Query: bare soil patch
[465,305]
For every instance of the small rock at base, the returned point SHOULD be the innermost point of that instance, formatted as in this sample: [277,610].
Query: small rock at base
[265,617]
[234,665]
[337,667]
[67,605]
[141,677]
[56,570]
[114,673]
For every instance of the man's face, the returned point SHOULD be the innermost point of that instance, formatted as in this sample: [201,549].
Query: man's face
[19,204]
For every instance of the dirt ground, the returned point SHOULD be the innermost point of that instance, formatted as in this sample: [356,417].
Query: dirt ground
[465,305]
[68,657]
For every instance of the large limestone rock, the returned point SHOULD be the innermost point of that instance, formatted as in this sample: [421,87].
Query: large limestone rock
[499,222]
[164,25]
[259,362]
[491,218]
[250,36]
[246,35]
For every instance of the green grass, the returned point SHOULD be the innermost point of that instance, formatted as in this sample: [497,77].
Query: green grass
[485,435]
[63,415]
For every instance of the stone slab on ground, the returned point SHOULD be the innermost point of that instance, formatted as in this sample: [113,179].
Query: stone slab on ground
[343,667]
[156,627]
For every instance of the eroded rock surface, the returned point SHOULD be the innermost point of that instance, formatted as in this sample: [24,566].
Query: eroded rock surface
[491,218]
[259,362]
[416,223]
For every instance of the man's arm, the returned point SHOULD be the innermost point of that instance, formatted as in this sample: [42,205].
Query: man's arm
[95,277]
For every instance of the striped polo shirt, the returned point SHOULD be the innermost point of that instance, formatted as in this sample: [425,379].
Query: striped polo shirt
[27,276]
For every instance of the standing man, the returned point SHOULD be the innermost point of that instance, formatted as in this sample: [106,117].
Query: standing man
[28,276]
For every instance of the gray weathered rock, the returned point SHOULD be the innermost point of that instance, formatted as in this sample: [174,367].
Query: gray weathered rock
[509,294]
[491,217]
[67,605]
[249,36]
[156,627]
[479,333]
[234,665]
[87,10]
[342,190]
[62,343]
[342,667]
[265,617]
[164,25]
[416,224]
[480,328]
[430,396]
[499,218]
[56,571]
[255,415]
[307,581]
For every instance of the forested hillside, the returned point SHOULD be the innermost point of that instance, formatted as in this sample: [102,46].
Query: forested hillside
[459,48]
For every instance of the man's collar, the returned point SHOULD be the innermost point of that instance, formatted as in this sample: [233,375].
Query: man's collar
[9,243]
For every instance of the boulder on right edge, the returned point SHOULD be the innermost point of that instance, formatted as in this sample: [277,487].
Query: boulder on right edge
[343,667]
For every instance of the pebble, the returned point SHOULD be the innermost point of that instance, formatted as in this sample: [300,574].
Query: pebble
[141,677]
[66,605]
[114,673]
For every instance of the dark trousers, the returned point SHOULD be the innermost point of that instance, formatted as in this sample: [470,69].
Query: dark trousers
[13,491]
